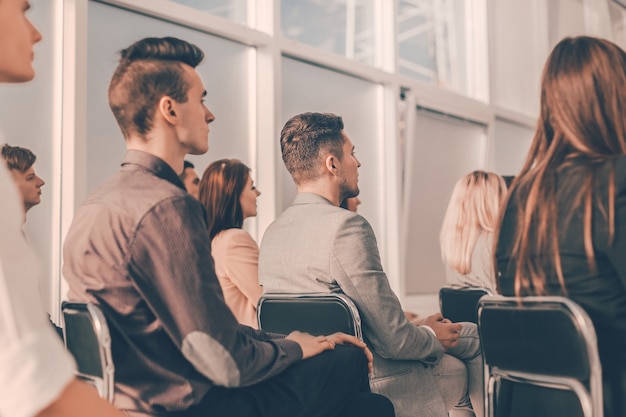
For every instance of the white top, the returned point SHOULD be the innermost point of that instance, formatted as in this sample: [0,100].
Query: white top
[481,272]
[34,365]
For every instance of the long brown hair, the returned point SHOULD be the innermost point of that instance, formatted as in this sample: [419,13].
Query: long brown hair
[221,186]
[582,122]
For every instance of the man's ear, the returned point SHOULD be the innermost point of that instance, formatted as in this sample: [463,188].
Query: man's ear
[167,109]
[331,164]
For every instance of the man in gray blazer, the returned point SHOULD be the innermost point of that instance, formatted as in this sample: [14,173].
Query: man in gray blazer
[426,365]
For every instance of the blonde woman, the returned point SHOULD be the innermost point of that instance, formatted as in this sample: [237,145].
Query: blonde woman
[468,230]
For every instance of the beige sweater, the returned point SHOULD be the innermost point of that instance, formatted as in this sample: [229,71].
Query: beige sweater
[236,257]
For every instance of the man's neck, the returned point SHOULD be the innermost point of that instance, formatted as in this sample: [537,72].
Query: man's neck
[321,188]
[166,148]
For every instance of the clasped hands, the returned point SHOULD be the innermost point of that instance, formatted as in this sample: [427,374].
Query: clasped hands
[447,333]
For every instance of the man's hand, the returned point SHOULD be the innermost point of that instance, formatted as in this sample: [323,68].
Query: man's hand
[314,345]
[311,345]
[447,332]
[343,339]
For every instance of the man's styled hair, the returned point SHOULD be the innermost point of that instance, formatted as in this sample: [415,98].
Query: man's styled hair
[148,70]
[305,138]
[220,190]
[20,159]
[474,208]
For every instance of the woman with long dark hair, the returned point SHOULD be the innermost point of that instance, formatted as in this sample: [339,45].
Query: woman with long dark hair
[564,228]
[229,196]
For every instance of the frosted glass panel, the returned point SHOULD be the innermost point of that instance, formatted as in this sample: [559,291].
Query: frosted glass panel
[236,10]
[512,145]
[345,27]
[618,23]
[519,26]
[26,121]
[307,88]
[226,86]
[443,150]
[434,41]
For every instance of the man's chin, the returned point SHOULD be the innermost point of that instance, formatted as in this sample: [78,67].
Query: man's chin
[198,151]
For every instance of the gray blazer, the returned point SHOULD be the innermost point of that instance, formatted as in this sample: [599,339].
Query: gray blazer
[315,246]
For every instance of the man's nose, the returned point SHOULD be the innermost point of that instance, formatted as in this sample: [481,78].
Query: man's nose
[210,117]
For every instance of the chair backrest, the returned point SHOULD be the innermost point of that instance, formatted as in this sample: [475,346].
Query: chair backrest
[541,357]
[461,304]
[317,314]
[87,338]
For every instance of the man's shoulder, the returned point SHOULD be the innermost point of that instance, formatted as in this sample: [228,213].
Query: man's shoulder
[316,226]
[313,212]
[134,192]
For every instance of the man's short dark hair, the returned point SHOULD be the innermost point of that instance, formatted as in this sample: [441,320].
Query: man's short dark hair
[20,159]
[305,138]
[148,70]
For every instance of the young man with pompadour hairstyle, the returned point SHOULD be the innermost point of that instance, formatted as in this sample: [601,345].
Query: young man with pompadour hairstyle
[139,247]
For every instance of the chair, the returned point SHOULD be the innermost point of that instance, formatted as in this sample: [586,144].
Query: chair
[541,358]
[461,304]
[317,314]
[87,338]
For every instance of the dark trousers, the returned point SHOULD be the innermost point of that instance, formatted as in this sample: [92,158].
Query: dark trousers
[333,384]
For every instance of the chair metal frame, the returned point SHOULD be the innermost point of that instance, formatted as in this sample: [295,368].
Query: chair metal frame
[104,384]
[591,397]
[475,293]
[323,299]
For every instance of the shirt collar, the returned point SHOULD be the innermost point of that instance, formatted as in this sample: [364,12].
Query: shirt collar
[153,164]
[310,198]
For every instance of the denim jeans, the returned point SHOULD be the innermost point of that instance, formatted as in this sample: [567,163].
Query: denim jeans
[459,374]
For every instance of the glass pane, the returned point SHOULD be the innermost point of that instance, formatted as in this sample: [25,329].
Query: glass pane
[434,41]
[512,145]
[618,23]
[515,77]
[344,27]
[226,85]
[355,101]
[443,150]
[235,10]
